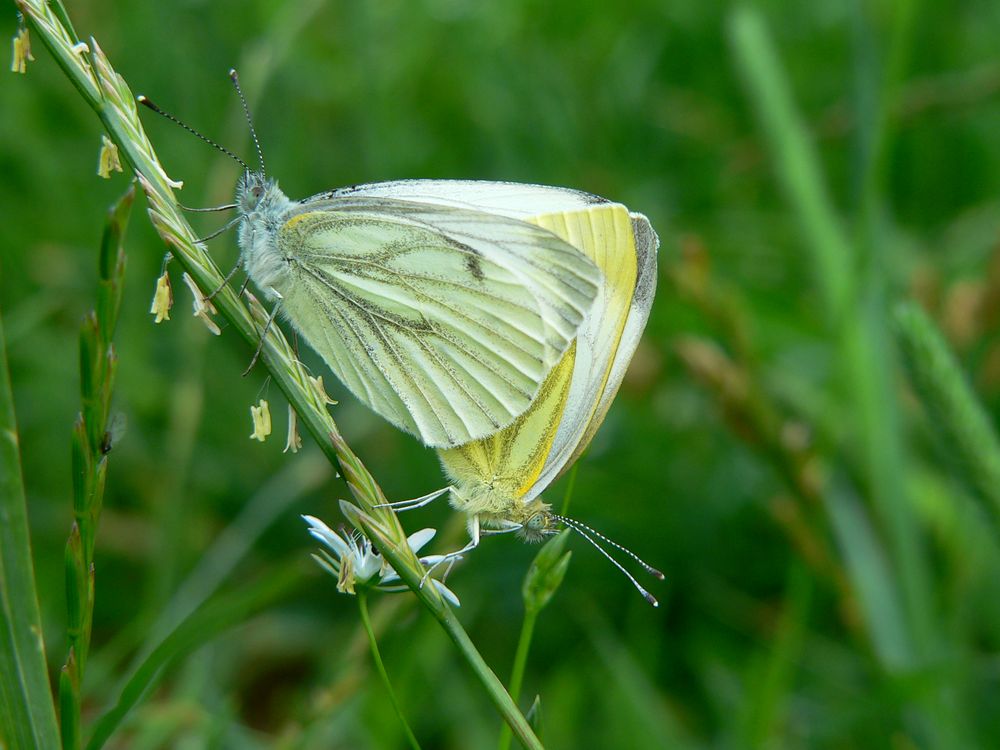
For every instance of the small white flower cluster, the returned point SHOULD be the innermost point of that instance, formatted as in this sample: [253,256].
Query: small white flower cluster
[351,559]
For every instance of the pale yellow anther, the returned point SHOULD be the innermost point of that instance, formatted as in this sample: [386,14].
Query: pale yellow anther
[163,299]
[261,416]
[320,391]
[108,161]
[203,307]
[294,441]
[22,51]
[345,581]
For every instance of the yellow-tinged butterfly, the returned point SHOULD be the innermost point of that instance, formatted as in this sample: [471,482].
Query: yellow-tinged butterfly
[493,320]
[498,480]
[436,303]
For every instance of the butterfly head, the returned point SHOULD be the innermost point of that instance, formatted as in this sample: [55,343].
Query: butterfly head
[255,192]
[539,522]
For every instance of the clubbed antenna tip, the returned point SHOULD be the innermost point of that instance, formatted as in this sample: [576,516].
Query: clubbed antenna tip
[235,78]
[586,532]
[148,103]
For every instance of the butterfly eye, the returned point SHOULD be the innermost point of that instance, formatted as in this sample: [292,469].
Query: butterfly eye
[536,522]
[257,191]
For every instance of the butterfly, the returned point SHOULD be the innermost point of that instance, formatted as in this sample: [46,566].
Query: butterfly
[497,481]
[433,302]
[442,316]
[493,320]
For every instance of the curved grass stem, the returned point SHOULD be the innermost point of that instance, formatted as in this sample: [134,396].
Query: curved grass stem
[109,95]
[380,667]
[517,671]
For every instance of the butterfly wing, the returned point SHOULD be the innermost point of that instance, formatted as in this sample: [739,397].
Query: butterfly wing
[444,320]
[623,246]
[513,199]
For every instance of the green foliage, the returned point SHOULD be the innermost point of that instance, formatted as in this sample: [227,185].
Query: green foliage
[809,167]
[964,431]
[27,717]
[546,573]
[90,440]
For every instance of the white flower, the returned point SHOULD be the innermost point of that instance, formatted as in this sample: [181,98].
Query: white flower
[355,562]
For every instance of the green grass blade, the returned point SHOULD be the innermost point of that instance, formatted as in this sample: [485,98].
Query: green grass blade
[967,435]
[217,616]
[871,575]
[235,541]
[795,158]
[772,679]
[27,714]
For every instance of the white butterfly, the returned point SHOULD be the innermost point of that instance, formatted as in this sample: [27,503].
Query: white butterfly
[435,303]
[498,480]
[442,315]
[493,320]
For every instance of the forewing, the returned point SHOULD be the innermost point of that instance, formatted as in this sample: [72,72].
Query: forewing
[443,320]
[512,199]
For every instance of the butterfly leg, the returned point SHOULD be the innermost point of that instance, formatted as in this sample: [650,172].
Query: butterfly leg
[224,228]
[417,502]
[225,282]
[210,209]
[263,336]
[474,532]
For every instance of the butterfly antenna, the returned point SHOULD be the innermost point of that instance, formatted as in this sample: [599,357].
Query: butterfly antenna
[645,566]
[234,77]
[580,529]
[146,102]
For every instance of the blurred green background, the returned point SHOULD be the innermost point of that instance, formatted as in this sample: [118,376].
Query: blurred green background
[832,581]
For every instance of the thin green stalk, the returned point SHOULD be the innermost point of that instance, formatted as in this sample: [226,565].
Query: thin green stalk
[517,671]
[362,597]
[394,552]
[869,340]
[877,133]
[568,495]
[27,714]
[544,576]
[521,655]
[98,364]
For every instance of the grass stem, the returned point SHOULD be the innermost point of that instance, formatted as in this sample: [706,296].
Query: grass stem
[380,668]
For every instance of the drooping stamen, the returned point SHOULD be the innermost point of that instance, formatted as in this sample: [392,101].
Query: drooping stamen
[144,101]
[646,566]
[577,528]
[234,77]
